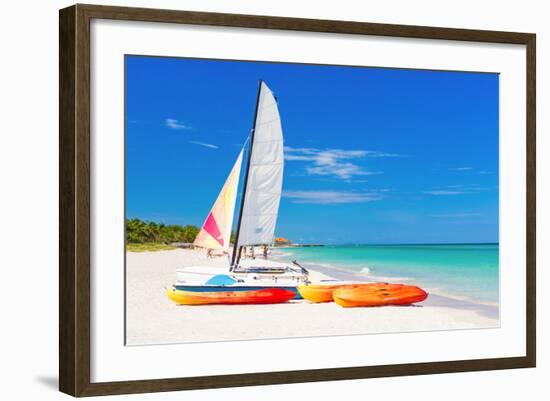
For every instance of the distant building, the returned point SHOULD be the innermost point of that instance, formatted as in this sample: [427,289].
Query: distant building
[182,244]
[281,241]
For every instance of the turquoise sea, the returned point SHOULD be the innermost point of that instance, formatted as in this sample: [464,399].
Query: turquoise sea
[462,270]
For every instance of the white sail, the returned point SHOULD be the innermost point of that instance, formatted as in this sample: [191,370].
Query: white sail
[265,174]
[216,230]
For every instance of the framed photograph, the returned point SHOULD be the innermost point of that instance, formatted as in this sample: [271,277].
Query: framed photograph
[250,200]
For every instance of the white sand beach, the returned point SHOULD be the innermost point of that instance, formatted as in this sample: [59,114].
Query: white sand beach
[152,318]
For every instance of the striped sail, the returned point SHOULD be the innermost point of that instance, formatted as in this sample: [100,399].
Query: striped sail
[216,230]
[265,174]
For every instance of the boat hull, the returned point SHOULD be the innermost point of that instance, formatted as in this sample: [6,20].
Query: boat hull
[379,295]
[263,296]
[234,288]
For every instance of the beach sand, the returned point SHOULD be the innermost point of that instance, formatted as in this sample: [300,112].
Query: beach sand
[151,318]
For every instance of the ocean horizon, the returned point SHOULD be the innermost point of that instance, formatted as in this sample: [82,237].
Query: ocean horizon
[298,244]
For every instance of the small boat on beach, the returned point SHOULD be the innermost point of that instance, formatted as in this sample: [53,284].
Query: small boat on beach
[232,282]
[379,294]
[259,209]
[263,296]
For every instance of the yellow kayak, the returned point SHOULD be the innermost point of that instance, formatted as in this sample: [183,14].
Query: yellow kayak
[323,292]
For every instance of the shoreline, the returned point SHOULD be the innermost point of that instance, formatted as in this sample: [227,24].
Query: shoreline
[151,318]
[435,297]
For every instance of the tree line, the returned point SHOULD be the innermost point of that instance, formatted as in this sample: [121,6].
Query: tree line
[140,232]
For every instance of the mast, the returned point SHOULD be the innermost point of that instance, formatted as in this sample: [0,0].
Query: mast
[236,249]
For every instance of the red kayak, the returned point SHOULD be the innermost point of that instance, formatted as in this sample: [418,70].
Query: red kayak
[264,296]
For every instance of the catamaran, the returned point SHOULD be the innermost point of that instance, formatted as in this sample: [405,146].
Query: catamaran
[257,218]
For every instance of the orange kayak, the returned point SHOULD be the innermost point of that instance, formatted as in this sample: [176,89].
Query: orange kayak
[379,295]
[264,296]
[323,292]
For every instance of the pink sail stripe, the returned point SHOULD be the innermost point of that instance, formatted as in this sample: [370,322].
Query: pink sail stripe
[211,227]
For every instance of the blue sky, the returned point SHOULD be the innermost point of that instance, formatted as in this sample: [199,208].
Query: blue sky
[373,155]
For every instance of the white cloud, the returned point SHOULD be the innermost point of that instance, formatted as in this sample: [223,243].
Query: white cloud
[344,171]
[458,189]
[175,124]
[461,168]
[333,162]
[444,192]
[374,153]
[456,215]
[206,145]
[309,151]
[331,197]
[292,157]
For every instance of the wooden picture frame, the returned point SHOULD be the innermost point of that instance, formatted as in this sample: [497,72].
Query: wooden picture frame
[74,203]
